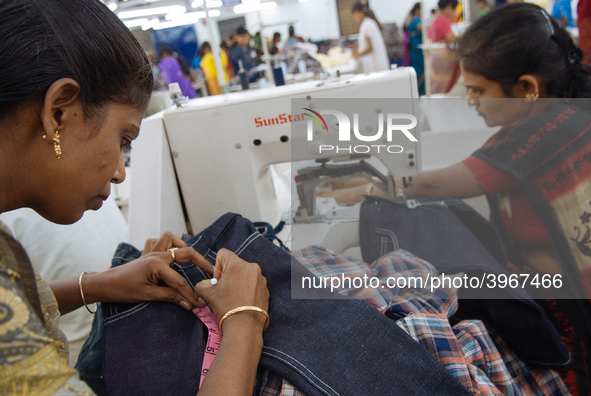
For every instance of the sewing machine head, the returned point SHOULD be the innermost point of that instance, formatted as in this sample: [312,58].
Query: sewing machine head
[222,148]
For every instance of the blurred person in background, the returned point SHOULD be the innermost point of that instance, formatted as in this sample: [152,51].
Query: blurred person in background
[563,13]
[483,8]
[415,40]
[584,24]
[173,73]
[443,62]
[406,39]
[274,50]
[229,69]
[292,39]
[371,48]
[242,51]
[208,66]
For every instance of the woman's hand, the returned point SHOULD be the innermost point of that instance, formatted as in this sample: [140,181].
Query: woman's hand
[137,281]
[345,196]
[239,283]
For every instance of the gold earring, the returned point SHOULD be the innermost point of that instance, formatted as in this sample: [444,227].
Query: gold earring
[56,145]
[531,97]
[44,138]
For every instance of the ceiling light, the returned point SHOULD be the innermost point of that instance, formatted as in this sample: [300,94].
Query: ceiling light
[251,2]
[151,11]
[303,1]
[136,22]
[112,5]
[210,3]
[150,24]
[244,8]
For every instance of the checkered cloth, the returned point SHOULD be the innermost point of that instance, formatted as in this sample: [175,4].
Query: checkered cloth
[473,354]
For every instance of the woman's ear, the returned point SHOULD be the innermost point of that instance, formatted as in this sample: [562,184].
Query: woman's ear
[62,102]
[527,84]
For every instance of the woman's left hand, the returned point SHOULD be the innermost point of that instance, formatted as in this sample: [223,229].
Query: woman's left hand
[137,281]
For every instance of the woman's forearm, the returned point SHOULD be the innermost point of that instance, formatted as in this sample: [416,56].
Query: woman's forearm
[234,368]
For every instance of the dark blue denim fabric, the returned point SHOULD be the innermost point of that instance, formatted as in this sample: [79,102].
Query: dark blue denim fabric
[454,238]
[323,347]
[90,359]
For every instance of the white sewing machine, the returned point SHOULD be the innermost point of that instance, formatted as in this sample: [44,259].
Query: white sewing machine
[219,149]
[191,164]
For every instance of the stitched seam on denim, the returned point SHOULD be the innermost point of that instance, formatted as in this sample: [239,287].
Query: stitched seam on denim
[246,242]
[256,235]
[197,241]
[311,373]
[389,233]
[211,256]
[302,374]
[126,313]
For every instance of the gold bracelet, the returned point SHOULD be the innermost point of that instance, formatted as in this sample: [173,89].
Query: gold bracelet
[82,293]
[369,189]
[246,308]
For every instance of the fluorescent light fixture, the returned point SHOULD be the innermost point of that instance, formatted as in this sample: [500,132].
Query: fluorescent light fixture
[210,3]
[215,3]
[150,24]
[303,1]
[151,11]
[244,8]
[136,22]
[192,15]
[112,5]
[189,18]
[251,2]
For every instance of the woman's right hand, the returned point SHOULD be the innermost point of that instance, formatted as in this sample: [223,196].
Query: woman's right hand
[239,283]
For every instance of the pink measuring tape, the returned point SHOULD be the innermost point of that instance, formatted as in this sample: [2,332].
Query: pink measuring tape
[214,338]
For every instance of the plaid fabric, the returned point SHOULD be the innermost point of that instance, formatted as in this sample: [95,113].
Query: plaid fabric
[478,358]
[275,385]
[399,264]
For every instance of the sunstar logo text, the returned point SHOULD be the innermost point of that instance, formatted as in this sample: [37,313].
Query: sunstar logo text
[344,125]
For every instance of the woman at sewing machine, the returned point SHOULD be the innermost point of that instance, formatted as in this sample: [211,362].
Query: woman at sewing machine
[72,95]
[520,66]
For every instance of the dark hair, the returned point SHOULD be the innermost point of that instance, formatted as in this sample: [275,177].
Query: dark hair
[291,31]
[518,39]
[363,7]
[444,3]
[205,45]
[165,50]
[415,8]
[276,35]
[42,41]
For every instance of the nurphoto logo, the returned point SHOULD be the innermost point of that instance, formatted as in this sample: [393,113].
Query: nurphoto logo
[392,125]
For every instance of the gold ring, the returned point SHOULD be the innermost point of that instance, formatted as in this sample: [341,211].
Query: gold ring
[171,250]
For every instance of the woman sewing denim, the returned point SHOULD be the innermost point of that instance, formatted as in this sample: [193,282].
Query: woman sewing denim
[74,84]
[519,64]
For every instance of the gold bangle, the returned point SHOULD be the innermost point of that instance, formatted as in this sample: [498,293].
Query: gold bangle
[82,293]
[369,189]
[246,308]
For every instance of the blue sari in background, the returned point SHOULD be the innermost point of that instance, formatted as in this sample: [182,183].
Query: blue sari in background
[416,54]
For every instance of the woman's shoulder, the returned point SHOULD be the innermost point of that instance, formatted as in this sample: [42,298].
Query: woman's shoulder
[557,131]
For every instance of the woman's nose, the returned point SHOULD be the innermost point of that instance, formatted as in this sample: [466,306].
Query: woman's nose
[119,175]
